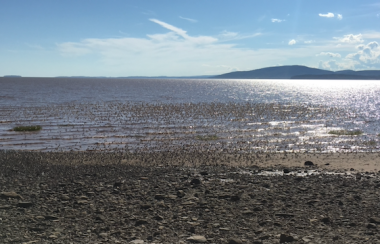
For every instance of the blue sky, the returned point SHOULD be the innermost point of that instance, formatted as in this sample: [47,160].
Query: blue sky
[183,38]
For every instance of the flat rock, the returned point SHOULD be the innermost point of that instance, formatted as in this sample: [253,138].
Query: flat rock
[10,194]
[197,239]
[137,242]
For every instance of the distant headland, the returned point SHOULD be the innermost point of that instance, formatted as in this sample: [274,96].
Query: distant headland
[301,72]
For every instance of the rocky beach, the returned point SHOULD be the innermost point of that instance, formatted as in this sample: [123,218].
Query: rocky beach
[188,197]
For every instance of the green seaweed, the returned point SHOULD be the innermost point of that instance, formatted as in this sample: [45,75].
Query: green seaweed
[207,137]
[346,132]
[28,128]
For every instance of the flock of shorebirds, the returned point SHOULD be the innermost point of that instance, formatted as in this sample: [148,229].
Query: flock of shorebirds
[245,127]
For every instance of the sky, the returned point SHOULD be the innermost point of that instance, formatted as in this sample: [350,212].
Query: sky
[119,38]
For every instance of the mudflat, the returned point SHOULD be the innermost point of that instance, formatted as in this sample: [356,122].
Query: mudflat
[188,197]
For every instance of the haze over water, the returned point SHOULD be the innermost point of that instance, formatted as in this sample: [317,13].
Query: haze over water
[195,114]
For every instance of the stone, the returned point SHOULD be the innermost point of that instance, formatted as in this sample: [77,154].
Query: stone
[145,206]
[103,234]
[326,220]
[309,163]
[286,171]
[195,181]
[51,217]
[234,241]
[374,220]
[203,173]
[65,197]
[10,194]
[82,202]
[5,206]
[197,239]
[158,218]
[159,197]
[371,226]
[235,198]
[24,204]
[141,222]
[137,242]
[286,238]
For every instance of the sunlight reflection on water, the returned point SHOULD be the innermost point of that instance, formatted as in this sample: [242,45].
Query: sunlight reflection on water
[153,114]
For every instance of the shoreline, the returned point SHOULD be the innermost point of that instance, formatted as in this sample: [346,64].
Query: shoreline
[353,161]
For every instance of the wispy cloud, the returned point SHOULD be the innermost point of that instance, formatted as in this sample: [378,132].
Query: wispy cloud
[171,27]
[329,54]
[292,42]
[328,15]
[277,20]
[308,41]
[350,38]
[230,36]
[339,16]
[164,53]
[188,19]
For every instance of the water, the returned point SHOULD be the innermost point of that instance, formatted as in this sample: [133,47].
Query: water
[199,114]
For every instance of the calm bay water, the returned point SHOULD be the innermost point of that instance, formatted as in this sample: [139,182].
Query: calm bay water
[198,114]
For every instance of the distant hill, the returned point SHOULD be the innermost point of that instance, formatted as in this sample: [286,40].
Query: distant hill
[10,76]
[336,77]
[298,71]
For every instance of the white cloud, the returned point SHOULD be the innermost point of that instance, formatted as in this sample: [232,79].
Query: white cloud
[328,15]
[339,16]
[332,55]
[188,19]
[308,41]
[367,54]
[334,65]
[292,42]
[350,38]
[277,20]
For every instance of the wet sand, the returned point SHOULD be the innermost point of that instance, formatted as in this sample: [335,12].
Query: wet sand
[184,197]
